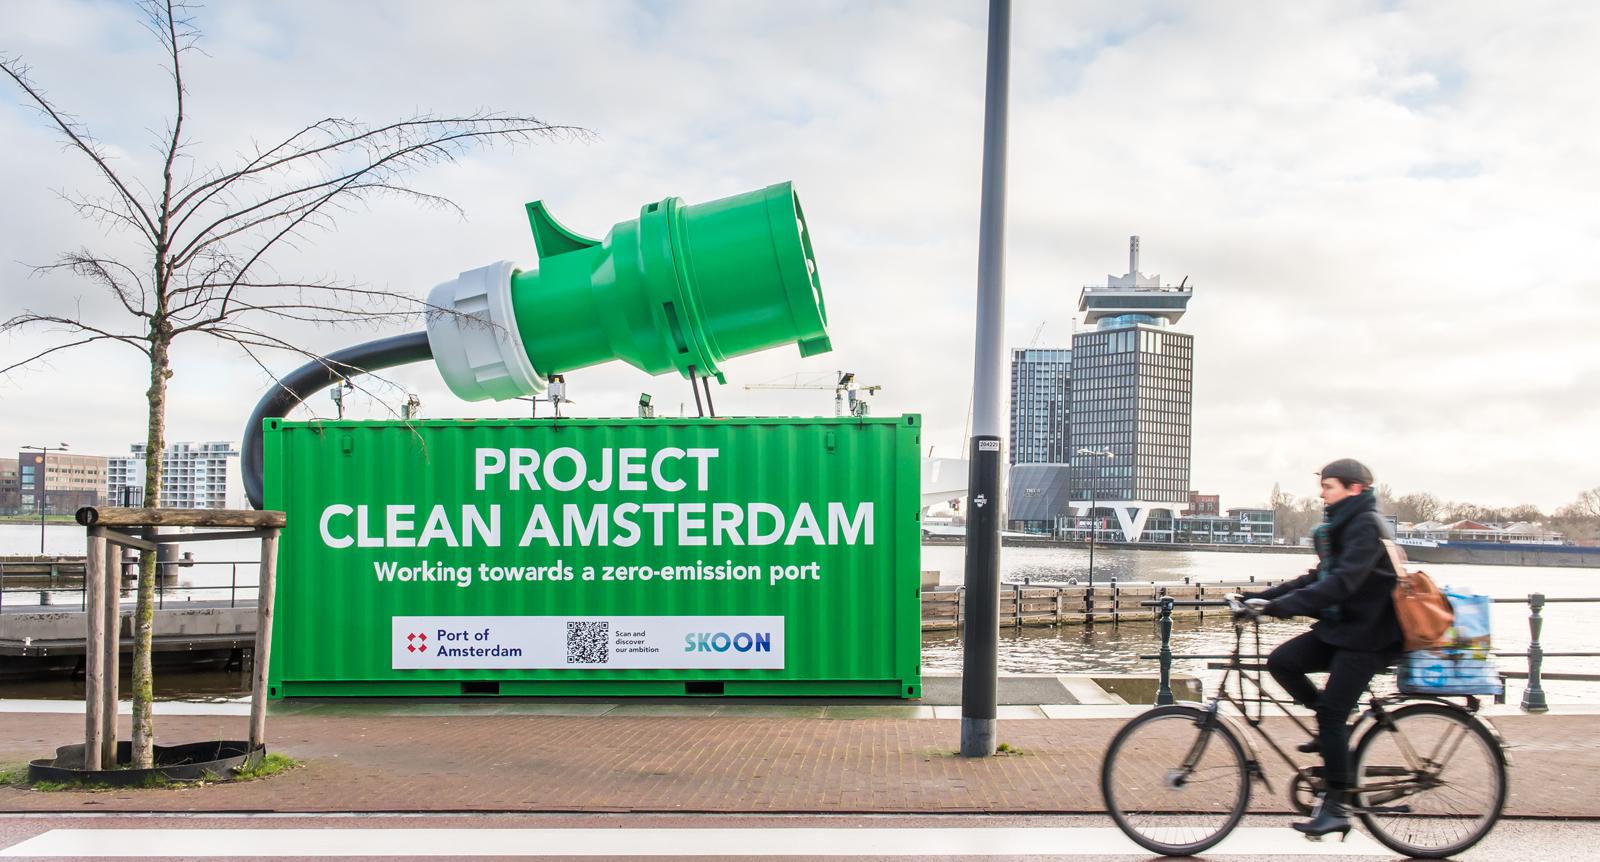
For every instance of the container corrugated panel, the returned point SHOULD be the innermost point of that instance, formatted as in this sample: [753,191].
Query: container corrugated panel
[740,556]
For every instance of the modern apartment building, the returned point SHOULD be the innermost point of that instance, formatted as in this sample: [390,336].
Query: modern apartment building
[193,476]
[9,502]
[59,483]
[1040,393]
[1037,482]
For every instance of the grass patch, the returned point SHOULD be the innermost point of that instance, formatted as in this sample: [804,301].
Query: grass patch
[151,782]
[270,765]
[1004,749]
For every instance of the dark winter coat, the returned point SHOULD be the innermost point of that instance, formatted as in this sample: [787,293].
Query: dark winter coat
[1351,592]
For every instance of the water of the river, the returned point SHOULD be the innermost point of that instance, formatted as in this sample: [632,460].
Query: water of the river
[1069,649]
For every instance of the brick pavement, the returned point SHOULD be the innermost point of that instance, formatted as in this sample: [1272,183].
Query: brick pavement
[358,762]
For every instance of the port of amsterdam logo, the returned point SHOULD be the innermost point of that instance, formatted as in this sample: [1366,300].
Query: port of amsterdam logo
[416,642]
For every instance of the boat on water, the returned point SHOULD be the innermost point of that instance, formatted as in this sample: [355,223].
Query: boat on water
[1493,553]
[1468,541]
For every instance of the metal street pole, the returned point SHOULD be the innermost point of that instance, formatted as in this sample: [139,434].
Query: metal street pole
[1094,532]
[40,495]
[1094,503]
[980,645]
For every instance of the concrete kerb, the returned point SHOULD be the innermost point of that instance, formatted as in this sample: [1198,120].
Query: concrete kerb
[1023,697]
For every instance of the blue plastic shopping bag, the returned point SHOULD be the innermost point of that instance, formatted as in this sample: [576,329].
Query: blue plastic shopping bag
[1446,671]
[1463,665]
[1470,635]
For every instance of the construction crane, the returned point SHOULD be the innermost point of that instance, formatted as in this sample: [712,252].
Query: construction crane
[1034,342]
[845,390]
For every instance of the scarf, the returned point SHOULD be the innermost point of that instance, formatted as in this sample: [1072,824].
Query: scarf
[1334,520]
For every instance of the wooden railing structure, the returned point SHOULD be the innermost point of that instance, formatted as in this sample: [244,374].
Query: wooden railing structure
[108,530]
[1029,604]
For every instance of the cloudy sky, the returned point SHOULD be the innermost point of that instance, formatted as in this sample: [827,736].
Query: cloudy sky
[1390,211]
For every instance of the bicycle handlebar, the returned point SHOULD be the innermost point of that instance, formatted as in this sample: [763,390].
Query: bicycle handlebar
[1187,603]
[1234,602]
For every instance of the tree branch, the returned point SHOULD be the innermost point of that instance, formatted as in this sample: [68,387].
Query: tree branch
[81,140]
[246,337]
[386,159]
[99,269]
[69,345]
[27,319]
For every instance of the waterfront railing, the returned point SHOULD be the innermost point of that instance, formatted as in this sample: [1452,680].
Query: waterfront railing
[1533,695]
[24,580]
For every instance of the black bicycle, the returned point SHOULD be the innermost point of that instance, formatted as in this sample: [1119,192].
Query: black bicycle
[1430,774]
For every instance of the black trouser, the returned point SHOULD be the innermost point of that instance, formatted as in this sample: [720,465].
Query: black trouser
[1349,671]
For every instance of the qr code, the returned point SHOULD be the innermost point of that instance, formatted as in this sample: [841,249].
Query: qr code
[588,643]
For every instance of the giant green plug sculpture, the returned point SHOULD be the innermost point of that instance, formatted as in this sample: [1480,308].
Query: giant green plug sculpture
[682,287]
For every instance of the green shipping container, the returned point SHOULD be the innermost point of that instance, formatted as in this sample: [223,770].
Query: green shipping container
[743,556]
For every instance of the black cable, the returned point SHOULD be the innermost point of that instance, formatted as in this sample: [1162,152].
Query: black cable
[309,379]
[710,408]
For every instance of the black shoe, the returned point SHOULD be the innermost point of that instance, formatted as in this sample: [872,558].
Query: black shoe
[1329,815]
[1307,747]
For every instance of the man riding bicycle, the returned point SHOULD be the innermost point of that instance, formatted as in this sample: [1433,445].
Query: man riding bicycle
[1356,635]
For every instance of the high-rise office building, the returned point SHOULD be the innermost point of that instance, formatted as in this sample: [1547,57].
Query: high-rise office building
[193,476]
[1037,482]
[1132,396]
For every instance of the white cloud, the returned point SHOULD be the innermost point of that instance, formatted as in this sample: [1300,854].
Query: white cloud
[1388,210]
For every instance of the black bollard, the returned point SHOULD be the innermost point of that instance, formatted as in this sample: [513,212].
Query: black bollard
[1164,625]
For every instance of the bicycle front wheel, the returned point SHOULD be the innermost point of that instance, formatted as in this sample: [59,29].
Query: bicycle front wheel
[1175,780]
[1431,782]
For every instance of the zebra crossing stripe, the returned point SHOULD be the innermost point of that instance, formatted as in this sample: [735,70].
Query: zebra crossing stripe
[775,841]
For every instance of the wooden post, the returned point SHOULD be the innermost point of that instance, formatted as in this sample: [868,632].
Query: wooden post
[112,663]
[94,583]
[265,594]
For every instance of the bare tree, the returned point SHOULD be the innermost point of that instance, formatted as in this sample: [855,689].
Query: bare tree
[1294,517]
[1385,497]
[1587,505]
[1491,514]
[1417,507]
[209,238]
[1580,519]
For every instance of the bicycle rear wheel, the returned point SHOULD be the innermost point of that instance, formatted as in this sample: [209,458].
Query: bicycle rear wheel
[1174,781]
[1433,780]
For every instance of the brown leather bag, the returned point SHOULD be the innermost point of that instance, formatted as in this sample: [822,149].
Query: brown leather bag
[1425,614]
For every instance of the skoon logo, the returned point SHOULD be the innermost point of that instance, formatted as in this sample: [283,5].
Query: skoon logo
[722,642]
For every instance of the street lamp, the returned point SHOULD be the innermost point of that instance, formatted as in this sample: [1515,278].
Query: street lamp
[1094,522]
[39,495]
